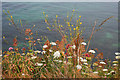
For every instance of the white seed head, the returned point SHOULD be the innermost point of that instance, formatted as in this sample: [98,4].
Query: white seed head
[45,46]
[83,43]
[91,51]
[53,43]
[79,67]
[105,69]
[56,54]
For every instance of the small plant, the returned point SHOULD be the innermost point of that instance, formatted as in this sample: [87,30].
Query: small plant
[69,57]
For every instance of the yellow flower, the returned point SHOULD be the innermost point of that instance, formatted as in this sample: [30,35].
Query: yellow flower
[80,22]
[8,53]
[67,16]
[72,25]
[46,15]
[5,55]
[61,26]
[73,10]
[11,17]
[77,20]
[29,41]
[28,53]
[88,58]
[70,33]
[70,29]
[95,64]
[3,37]
[74,28]
[56,16]
[46,20]
[65,36]
[69,25]
[80,16]
[43,12]
[63,54]
[48,28]
[53,25]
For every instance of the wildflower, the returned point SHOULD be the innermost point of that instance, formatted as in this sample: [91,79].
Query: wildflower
[79,67]
[58,61]
[56,54]
[69,25]
[95,72]
[45,64]
[105,69]
[80,22]
[11,17]
[80,16]
[88,58]
[23,74]
[0,55]
[83,43]
[117,53]
[73,46]
[10,48]
[117,57]
[43,52]
[51,50]
[85,63]
[67,46]
[108,74]
[37,51]
[87,55]
[73,10]
[28,53]
[115,62]
[3,37]
[23,49]
[74,29]
[39,64]
[102,62]
[91,51]
[46,15]
[45,46]
[43,12]
[81,58]
[33,57]
[27,31]
[23,54]
[69,56]
[99,66]
[112,71]
[84,60]
[69,63]
[5,55]
[53,43]
[95,64]
[56,16]
[42,61]
[38,39]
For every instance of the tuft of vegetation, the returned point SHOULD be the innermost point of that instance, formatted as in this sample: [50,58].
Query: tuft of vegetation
[69,57]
